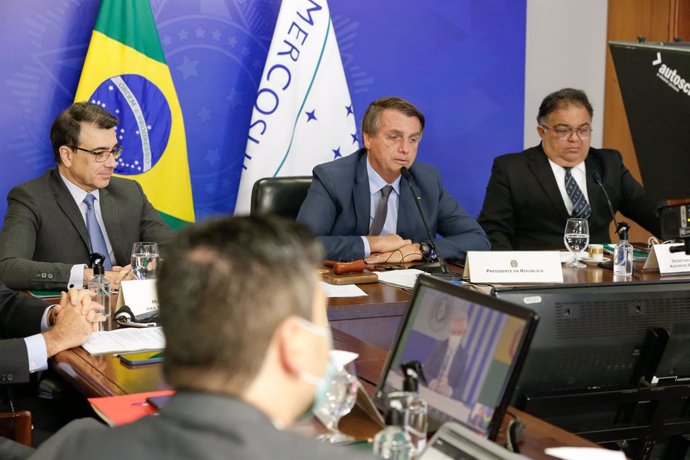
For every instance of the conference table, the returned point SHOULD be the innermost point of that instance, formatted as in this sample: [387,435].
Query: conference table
[365,325]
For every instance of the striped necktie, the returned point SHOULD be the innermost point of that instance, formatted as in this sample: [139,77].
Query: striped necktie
[581,207]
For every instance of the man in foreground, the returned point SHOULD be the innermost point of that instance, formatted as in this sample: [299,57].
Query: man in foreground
[361,208]
[247,345]
[532,194]
[55,222]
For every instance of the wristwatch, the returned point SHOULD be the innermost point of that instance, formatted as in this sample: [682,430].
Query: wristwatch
[427,250]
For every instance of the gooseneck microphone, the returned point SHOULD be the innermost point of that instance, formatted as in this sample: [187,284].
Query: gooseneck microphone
[436,268]
[597,178]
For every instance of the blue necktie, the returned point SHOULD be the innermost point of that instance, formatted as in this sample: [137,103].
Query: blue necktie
[95,232]
[581,207]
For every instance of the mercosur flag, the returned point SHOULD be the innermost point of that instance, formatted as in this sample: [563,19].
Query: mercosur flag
[126,73]
[303,115]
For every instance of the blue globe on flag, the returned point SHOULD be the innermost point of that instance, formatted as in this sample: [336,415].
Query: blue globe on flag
[144,120]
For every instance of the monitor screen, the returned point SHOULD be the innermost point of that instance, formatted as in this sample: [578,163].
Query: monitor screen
[471,347]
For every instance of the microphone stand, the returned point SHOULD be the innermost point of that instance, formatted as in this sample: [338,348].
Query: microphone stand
[438,268]
[620,226]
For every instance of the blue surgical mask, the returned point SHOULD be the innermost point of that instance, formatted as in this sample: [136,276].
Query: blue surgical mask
[322,383]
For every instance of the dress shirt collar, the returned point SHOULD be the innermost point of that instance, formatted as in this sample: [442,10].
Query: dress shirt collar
[77,193]
[376,182]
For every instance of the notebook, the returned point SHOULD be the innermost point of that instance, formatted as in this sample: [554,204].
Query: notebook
[471,347]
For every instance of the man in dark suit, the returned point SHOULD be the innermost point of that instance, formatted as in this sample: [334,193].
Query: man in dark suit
[445,365]
[55,222]
[30,333]
[532,194]
[247,344]
[360,207]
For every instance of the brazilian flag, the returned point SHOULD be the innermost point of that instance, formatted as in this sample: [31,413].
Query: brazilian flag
[126,73]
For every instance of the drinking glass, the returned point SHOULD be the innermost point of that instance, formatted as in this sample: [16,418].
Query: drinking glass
[145,259]
[576,239]
[339,401]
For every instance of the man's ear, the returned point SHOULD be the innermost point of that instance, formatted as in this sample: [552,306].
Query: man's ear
[367,140]
[290,346]
[66,155]
[541,132]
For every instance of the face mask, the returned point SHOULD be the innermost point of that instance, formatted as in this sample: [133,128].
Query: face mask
[321,384]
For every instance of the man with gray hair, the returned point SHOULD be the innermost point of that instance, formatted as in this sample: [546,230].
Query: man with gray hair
[361,209]
[247,345]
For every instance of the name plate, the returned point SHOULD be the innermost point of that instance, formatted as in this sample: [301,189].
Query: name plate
[667,262]
[513,267]
[140,296]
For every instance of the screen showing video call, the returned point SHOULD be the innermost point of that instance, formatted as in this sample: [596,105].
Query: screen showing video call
[466,351]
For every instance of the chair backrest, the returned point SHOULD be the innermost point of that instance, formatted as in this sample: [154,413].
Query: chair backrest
[282,196]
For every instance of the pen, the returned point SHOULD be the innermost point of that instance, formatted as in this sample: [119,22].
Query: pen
[139,403]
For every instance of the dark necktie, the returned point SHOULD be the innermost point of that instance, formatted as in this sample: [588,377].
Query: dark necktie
[95,232]
[581,207]
[381,211]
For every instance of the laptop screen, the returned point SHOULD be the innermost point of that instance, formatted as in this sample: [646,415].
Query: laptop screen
[471,347]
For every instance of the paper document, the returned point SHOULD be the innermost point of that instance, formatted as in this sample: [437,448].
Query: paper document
[125,340]
[405,279]
[584,453]
[342,290]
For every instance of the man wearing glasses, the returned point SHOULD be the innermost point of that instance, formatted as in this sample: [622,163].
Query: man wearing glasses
[532,194]
[55,222]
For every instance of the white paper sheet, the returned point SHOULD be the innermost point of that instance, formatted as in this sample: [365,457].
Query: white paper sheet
[342,290]
[125,340]
[400,278]
[584,453]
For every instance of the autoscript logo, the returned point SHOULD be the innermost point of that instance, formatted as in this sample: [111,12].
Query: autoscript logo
[670,76]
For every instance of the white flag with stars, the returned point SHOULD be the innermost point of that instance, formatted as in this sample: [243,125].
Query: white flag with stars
[303,115]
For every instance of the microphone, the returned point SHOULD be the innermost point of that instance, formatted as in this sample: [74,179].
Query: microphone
[597,179]
[434,266]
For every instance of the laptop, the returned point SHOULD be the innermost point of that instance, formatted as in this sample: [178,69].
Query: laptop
[471,347]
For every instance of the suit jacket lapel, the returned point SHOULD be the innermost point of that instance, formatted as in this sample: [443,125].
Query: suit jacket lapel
[539,164]
[361,196]
[66,202]
[594,193]
[408,217]
[111,220]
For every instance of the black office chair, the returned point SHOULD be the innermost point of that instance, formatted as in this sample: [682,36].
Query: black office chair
[280,196]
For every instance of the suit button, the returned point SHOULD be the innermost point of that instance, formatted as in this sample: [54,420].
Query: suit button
[3,378]
[37,275]
[10,377]
[43,275]
[50,276]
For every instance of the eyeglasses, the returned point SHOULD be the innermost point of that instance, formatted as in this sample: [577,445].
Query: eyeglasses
[101,156]
[563,133]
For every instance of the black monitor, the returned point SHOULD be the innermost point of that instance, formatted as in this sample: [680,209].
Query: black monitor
[604,349]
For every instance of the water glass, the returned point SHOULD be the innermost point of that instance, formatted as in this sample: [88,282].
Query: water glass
[145,259]
[576,239]
[339,401]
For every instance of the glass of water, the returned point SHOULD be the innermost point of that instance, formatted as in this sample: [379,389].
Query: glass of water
[339,401]
[576,239]
[145,259]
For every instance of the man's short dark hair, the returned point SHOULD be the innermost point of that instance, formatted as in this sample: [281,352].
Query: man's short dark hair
[67,126]
[372,117]
[223,288]
[562,99]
